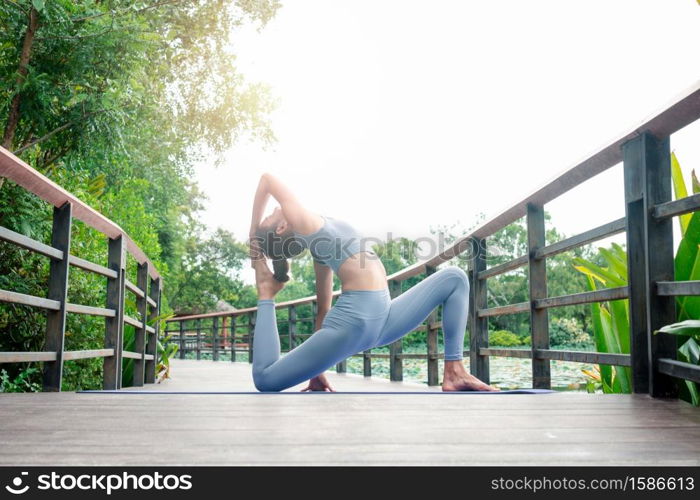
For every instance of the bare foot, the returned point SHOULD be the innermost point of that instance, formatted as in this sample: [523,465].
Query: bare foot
[265,282]
[456,378]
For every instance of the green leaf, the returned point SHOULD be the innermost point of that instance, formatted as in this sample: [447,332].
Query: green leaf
[689,306]
[97,185]
[687,327]
[615,263]
[693,389]
[688,249]
[605,276]
[690,353]
[695,182]
[691,350]
[76,99]
[620,324]
[38,5]
[679,190]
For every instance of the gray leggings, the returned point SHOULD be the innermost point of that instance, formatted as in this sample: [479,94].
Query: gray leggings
[360,320]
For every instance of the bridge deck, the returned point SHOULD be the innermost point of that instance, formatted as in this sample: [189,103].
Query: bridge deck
[340,429]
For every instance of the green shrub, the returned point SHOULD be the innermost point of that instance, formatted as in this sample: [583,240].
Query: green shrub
[567,332]
[21,383]
[503,338]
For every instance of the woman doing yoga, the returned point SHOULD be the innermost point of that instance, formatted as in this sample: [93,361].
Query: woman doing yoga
[364,315]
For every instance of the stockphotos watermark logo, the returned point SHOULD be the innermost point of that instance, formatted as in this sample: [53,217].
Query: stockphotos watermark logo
[328,248]
[18,487]
[107,483]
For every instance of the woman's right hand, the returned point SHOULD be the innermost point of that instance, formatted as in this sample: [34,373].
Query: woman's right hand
[255,251]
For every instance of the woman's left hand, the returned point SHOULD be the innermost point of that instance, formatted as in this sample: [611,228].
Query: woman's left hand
[318,383]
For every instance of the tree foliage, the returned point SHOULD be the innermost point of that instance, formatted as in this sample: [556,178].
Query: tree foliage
[116,100]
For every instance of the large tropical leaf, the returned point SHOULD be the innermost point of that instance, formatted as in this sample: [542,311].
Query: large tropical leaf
[688,249]
[605,276]
[680,190]
[615,264]
[689,306]
[690,353]
[620,324]
[601,342]
[687,327]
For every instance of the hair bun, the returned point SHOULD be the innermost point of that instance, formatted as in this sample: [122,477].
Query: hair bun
[281,270]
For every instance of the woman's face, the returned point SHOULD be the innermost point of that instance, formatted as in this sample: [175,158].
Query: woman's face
[276,219]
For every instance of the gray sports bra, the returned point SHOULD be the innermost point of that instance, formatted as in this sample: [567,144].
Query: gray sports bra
[333,243]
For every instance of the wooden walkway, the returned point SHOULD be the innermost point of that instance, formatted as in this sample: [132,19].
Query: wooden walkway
[340,429]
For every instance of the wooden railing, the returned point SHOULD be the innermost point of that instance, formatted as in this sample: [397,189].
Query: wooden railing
[645,154]
[147,290]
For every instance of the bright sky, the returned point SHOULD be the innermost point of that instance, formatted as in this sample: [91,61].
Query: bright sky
[399,115]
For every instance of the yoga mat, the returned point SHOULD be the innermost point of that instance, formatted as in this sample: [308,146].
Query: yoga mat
[510,391]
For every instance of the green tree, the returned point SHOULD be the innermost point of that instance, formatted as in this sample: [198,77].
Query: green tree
[209,273]
[115,100]
[509,243]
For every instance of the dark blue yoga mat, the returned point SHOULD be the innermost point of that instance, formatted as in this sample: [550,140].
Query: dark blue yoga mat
[510,391]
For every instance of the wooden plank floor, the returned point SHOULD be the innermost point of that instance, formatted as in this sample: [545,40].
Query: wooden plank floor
[340,429]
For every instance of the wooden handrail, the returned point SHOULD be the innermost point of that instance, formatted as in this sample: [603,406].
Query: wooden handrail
[22,174]
[147,289]
[681,111]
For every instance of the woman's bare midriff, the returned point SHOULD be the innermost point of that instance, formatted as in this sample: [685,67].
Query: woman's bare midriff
[362,271]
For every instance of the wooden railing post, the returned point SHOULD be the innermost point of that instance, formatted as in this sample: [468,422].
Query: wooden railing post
[647,170]
[58,290]
[224,335]
[152,343]
[539,318]
[233,338]
[478,325]
[341,367]
[251,333]
[199,339]
[139,373]
[182,339]
[367,363]
[215,339]
[292,325]
[432,340]
[114,327]
[396,347]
